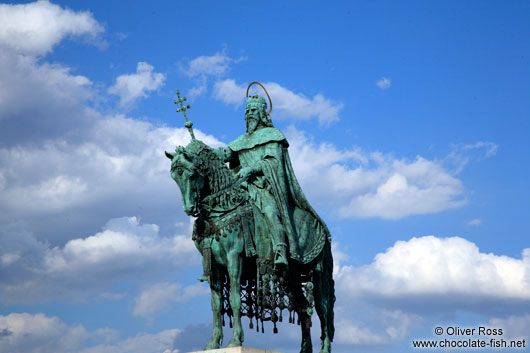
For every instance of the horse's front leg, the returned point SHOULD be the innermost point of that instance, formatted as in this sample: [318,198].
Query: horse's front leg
[216,291]
[323,304]
[325,298]
[235,266]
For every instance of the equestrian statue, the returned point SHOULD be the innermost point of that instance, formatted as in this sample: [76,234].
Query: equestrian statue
[264,248]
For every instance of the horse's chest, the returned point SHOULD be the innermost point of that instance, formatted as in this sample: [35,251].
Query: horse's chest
[234,226]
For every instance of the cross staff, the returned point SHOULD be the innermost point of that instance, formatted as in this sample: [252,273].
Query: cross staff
[183,109]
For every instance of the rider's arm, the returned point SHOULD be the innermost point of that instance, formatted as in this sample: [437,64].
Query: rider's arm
[224,153]
[273,154]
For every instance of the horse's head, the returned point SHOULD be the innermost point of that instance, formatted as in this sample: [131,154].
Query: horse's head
[185,172]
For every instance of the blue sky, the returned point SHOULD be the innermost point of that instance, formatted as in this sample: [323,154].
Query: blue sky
[408,126]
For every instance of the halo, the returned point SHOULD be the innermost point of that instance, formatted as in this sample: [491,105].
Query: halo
[270,102]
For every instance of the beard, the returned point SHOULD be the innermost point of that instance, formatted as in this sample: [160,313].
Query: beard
[252,124]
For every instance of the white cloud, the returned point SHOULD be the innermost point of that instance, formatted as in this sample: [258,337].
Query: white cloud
[9,258]
[121,241]
[384,83]
[489,148]
[514,327]
[431,268]
[397,198]
[286,104]
[124,249]
[205,66]
[69,173]
[92,167]
[462,154]
[27,333]
[213,65]
[156,298]
[133,86]
[360,184]
[229,92]
[161,342]
[198,89]
[161,295]
[339,257]
[56,95]
[423,276]
[117,166]
[35,28]
[475,222]
[389,327]
[298,106]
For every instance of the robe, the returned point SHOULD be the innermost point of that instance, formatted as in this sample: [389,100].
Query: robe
[274,181]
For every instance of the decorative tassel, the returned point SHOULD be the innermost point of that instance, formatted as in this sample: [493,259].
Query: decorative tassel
[207,251]
[230,318]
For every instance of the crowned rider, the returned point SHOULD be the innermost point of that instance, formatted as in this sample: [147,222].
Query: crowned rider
[296,231]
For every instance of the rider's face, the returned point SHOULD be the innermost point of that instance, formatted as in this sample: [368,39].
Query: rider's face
[252,117]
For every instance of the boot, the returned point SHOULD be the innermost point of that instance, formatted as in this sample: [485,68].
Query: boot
[280,255]
[203,278]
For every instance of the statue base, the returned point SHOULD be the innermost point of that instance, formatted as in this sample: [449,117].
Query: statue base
[239,349]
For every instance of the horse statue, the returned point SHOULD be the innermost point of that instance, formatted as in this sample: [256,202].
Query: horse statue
[239,255]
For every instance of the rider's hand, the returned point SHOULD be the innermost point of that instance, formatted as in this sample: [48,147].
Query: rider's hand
[244,173]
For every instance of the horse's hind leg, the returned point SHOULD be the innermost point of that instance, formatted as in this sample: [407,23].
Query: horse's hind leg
[216,287]
[305,323]
[235,267]
[325,299]
[296,295]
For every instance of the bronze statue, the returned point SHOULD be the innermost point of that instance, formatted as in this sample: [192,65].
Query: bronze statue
[264,248]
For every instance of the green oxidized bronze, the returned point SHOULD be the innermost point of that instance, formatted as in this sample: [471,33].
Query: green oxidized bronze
[265,250]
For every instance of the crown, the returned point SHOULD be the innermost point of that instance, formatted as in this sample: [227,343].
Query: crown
[257,101]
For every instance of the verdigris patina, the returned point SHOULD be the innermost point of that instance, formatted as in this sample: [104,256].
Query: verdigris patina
[264,248]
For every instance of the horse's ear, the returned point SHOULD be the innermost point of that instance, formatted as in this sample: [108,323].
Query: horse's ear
[189,156]
[169,155]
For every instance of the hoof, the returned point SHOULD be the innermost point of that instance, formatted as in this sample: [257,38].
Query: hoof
[307,348]
[326,346]
[213,344]
[234,342]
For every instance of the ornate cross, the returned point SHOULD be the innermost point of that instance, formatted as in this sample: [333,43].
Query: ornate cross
[183,109]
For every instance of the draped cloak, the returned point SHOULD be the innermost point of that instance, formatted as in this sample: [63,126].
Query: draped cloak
[265,152]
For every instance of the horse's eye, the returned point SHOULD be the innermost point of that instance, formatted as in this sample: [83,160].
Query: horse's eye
[179,170]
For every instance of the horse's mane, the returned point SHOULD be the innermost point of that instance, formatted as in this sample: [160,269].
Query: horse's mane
[219,176]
